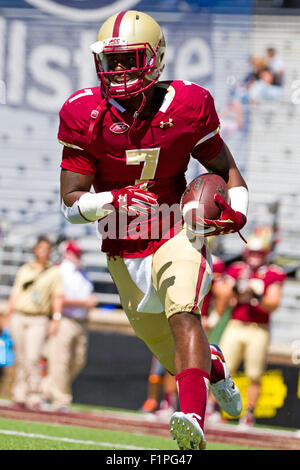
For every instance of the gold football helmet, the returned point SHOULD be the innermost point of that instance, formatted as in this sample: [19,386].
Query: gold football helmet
[140,37]
[260,239]
[259,246]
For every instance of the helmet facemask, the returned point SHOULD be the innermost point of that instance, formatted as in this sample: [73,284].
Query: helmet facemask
[144,72]
[259,247]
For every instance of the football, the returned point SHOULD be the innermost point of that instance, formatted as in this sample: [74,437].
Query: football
[198,198]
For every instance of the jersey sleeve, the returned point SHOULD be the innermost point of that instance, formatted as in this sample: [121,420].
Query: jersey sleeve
[78,161]
[233,271]
[77,117]
[74,122]
[218,266]
[18,282]
[207,125]
[71,127]
[276,275]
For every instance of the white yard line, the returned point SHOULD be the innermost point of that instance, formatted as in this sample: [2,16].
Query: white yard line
[67,439]
[258,431]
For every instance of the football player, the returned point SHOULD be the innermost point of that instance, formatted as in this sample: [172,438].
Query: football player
[130,140]
[254,287]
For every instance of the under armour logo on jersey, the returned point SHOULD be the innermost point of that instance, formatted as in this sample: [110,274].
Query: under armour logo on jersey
[163,124]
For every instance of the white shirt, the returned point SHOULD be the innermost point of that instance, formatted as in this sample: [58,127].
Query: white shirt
[77,286]
[276,64]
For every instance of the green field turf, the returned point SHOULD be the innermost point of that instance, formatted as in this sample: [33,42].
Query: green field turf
[27,435]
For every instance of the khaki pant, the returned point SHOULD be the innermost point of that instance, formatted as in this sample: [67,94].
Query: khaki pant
[29,335]
[181,276]
[248,342]
[66,354]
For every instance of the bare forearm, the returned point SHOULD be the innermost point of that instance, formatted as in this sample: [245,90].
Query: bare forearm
[73,186]
[235,179]
[223,296]
[226,167]
[269,304]
[10,306]
[79,205]
[57,304]
[70,198]
[74,303]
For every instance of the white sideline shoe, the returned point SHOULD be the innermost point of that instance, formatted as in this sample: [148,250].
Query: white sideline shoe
[186,430]
[226,392]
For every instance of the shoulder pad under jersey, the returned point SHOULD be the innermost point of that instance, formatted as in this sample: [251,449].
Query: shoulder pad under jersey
[200,105]
[195,95]
[190,93]
[77,114]
[235,269]
[218,265]
[276,273]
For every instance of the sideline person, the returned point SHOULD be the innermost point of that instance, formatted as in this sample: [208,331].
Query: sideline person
[33,312]
[67,350]
[253,289]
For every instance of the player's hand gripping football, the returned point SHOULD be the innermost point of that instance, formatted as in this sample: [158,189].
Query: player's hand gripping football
[135,200]
[230,221]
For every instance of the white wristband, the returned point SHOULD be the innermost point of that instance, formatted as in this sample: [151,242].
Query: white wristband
[91,205]
[72,213]
[88,208]
[239,199]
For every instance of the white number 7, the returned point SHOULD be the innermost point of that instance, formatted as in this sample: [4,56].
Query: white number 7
[150,159]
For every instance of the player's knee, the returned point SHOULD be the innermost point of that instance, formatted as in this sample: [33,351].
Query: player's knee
[183,309]
[185,318]
[184,325]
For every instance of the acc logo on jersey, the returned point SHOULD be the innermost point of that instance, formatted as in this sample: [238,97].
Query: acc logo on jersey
[119,127]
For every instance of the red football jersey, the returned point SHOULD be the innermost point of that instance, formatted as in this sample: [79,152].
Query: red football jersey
[268,275]
[99,139]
